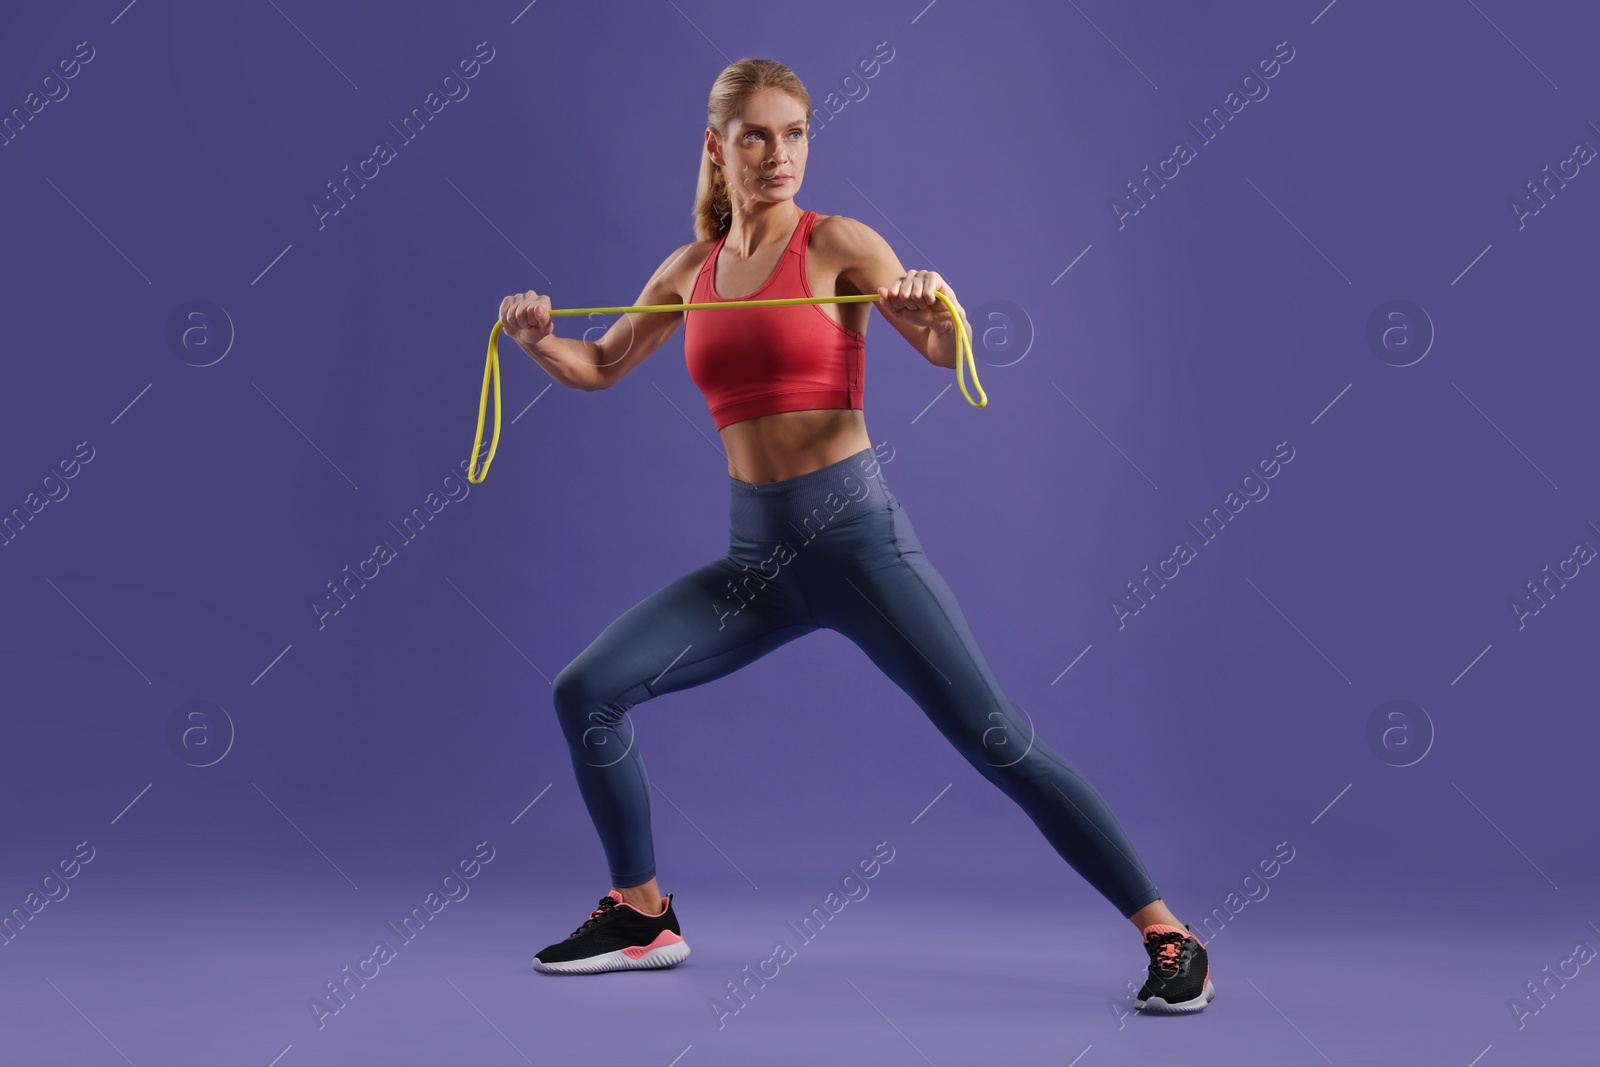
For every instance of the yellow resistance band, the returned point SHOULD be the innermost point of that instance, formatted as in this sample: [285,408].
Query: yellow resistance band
[492,366]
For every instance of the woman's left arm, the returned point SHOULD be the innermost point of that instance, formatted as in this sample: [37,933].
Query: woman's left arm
[905,298]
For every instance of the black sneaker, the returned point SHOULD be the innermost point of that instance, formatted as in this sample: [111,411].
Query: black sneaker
[1180,976]
[617,937]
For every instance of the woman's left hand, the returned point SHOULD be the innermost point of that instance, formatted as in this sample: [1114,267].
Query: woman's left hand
[910,299]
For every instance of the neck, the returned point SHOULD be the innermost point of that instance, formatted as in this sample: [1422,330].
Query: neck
[761,224]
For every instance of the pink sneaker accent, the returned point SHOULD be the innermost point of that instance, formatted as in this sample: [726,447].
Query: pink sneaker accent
[1170,952]
[665,937]
[665,901]
[1164,928]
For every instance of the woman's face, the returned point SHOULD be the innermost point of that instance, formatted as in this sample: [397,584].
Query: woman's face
[764,156]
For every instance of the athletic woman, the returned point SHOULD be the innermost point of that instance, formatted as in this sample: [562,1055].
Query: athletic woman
[815,540]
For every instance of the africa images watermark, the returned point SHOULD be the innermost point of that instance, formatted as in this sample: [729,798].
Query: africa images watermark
[55,490]
[1252,887]
[784,553]
[1255,90]
[853,88]
[854,888]
[1540,191]
[324,608]
[1541,590]
[52,889]
[1254,488]
[1541,993]
[55,90]
[452,887]
[384,153]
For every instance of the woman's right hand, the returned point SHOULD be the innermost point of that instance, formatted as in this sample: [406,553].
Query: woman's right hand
[525,318]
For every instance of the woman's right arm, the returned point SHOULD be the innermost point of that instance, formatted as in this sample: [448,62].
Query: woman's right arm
[591,365]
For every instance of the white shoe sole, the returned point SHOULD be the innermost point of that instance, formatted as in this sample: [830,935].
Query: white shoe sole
[1161,1007]
[616,960]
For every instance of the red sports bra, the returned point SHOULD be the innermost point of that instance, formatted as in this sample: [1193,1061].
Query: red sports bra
[756,361]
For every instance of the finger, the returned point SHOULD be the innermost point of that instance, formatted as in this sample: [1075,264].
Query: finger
[914,290]
[925,289]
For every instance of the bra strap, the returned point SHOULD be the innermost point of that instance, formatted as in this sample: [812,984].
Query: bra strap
[802,232]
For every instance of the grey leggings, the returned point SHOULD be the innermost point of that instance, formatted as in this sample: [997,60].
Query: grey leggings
[831,548]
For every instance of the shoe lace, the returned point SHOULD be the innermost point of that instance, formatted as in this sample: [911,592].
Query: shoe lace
[1166,953]
[596,916]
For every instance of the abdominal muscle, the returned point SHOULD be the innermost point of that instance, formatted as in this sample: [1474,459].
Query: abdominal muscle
[787,444]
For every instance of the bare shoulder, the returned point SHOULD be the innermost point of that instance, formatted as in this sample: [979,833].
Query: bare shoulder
[844,238]
[855,253]
[675,277]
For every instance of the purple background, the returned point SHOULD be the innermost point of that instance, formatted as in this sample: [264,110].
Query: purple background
[1230,714]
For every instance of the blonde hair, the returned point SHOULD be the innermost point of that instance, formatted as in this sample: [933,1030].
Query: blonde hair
[713,213]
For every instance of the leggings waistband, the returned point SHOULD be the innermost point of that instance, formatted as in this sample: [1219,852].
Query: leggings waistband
[807,503]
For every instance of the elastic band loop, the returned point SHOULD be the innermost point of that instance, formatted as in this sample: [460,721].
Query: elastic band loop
[490,366]
[964,359]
